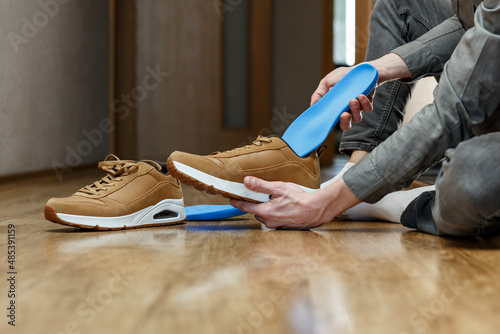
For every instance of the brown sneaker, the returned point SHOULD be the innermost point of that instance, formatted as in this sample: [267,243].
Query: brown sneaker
[268,158]
[133,194]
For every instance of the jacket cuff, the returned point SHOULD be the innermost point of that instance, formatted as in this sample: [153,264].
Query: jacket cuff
[366,183]
[427,55]
[419,60]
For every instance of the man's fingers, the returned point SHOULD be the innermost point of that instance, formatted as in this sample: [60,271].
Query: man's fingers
[324,86]
[315,98]
[256,184]
[345,121]
[370,96]
[253,208]
[366,104]
[319,92]
[355,108]
[271,225]
[267,223]
[260,219]
[258,210]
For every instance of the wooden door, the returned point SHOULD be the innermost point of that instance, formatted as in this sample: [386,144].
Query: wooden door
[168,82]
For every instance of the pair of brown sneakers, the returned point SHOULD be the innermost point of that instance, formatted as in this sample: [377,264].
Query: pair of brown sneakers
[145,193]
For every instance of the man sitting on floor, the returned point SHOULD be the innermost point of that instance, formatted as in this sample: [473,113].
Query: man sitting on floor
[464,50]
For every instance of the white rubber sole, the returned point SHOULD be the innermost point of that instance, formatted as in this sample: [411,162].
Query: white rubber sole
[231,187]
[166,211]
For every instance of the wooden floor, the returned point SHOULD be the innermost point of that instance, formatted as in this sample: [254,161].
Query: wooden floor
[236,276]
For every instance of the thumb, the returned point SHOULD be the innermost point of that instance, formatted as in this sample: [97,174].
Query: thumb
[315,98]
[256,184]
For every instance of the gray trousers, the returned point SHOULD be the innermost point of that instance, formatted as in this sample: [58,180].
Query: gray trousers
[467,197]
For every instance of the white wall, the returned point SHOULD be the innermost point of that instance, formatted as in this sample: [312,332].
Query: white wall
[54,83]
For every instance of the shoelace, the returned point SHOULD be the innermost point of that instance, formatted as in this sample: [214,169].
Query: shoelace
[257,142]
[115,169]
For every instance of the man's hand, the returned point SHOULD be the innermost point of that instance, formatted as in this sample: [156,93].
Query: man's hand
[356,106]
[293,208]
[390,67]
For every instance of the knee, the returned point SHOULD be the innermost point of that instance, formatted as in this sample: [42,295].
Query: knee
[381,5]
[382,9]
[468,186]
[475,166]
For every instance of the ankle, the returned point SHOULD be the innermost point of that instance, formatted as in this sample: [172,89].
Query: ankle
[358,155]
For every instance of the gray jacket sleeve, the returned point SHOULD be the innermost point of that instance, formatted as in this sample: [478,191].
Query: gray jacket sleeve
[467,95]
[428,54]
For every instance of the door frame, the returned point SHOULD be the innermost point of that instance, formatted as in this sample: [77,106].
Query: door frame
[122,75]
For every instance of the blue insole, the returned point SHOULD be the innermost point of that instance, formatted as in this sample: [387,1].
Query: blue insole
[308,131]
[211,212]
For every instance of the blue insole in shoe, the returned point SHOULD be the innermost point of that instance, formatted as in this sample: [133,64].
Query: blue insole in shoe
[308,131]
[211,212]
